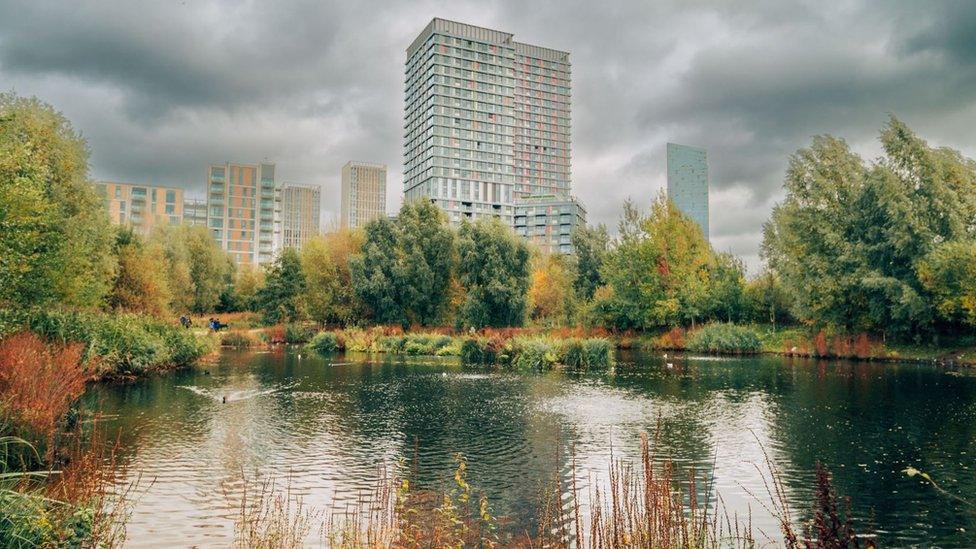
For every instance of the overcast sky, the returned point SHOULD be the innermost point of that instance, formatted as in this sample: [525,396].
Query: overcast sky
[162,89]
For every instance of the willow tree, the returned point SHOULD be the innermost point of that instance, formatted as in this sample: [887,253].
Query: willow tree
[493,269]
[848,240]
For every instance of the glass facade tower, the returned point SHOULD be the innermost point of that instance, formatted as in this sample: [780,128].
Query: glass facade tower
[486,121]
[688,182]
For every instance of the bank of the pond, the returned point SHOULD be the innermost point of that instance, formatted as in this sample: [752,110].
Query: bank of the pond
[114,345]
[580,347]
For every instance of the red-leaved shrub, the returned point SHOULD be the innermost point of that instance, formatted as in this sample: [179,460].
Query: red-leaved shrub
[39,382]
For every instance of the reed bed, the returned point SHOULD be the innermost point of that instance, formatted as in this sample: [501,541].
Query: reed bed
[644,505]
[492,348]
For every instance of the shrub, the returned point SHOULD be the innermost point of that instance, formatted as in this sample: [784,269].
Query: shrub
[532,354]
[572,353]
[472,351]
[275,334]
[675,338]
[121,343]
[38,384]
[298,333]
[391,344]
[598,351]
[240,340]
[725,338]
[326,342]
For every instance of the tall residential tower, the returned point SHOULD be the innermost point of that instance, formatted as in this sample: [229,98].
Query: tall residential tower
[244,211]
[300,213]
[487,121]
[688,182]
[363,193]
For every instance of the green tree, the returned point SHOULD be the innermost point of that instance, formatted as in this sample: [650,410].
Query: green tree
[211,268]
[55,239]
[403,274]
[726,293]
[591,245]
[766,301]
[280,300]
[663,272]
[331,297]
[140,285]
[949,273]
[847,240]
[374,273]
[427,256]
[494,272]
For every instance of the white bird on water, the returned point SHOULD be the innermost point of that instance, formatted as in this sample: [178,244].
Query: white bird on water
[670,365]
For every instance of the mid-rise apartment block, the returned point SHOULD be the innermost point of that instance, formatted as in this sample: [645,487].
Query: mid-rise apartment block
[363,193]
[244,211]
[142,207]
[548,222]
[300,213]
[195,212]
[487,121]
[688,182]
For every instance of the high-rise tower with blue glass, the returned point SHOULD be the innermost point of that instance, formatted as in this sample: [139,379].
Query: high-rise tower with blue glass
[688,182]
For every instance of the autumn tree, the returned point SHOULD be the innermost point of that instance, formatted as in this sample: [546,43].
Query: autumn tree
[140,285]
[331,298]
[55,239]
[551,297]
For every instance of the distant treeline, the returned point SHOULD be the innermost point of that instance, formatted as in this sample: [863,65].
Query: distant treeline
[883,247]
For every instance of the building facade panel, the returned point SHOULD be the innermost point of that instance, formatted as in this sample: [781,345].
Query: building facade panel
[688,182]
[548,222]
[301,210]
[244,211]
[141,207]
[486,121]
[363,193]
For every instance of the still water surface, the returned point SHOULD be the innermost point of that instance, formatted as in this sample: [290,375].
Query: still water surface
[331,424]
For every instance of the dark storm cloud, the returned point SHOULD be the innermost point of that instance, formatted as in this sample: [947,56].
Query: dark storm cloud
[162,89]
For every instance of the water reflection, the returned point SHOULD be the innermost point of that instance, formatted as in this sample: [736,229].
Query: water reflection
[330,426]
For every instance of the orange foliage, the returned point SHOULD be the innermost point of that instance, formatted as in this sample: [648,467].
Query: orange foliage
[39,382]
[672,339]
[820,343]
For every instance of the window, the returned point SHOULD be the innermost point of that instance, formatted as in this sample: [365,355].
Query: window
[170,196]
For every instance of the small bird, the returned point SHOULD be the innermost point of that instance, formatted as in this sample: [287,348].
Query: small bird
[670,365]
[223,399]
[299,356]
[665,356]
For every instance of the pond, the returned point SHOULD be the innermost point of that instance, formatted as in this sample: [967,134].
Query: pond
[328,426]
